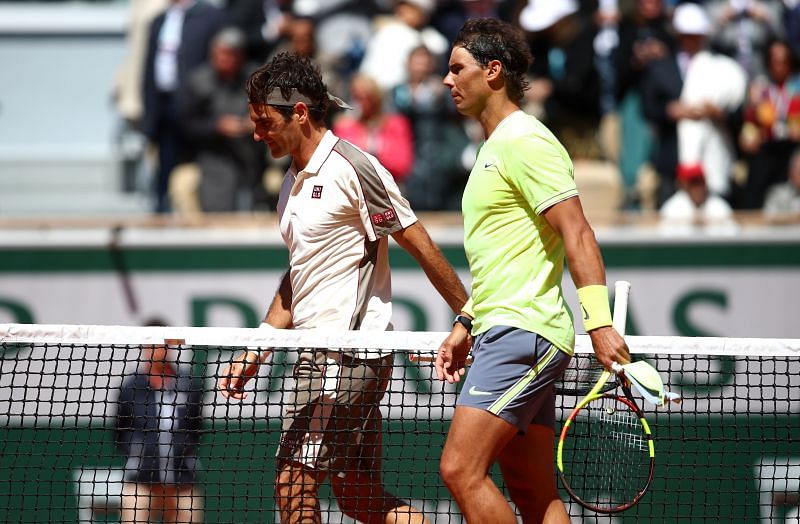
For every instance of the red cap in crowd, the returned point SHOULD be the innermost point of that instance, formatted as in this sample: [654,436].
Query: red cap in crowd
[688,172]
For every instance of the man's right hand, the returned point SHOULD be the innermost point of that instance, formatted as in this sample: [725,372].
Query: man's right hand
[234,377]
[451,358]
[609,346]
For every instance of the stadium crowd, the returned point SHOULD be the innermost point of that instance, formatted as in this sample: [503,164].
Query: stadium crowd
[692,106]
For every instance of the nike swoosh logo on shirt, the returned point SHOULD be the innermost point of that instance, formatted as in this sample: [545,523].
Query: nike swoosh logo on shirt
[487,165]
[477,392]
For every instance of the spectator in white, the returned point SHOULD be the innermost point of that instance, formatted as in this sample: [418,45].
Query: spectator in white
[693,207]
[784,199]
[388,49]
[714,88]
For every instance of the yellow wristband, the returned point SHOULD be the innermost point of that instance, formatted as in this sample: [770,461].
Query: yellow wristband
[595,310]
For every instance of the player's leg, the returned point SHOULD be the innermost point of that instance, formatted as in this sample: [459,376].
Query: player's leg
[360,490]
[356,473]
[188,507]
[135,506]
[474,441]
[527,460]
[296,489]
[509,385]
[528,472]
[362,497]
[169,504]
[305,416]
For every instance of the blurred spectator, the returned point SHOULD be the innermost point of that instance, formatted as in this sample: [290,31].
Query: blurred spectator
[743,28]
[127,84]
[388,49]
[387,136]
[178,42]
[714,88]
[605,43]
[437,177]
[127,93]
[694,98]
[217,125]
[791,22]
[342,30]
[301,39]
[693,207]
[264,24]
[565,88]
[783,199]
[645,35]
[300,36]
[450,15]
[771,129]
[158,429]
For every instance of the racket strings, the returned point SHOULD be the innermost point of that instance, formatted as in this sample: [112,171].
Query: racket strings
[581,376]
[606,454]
[630,439]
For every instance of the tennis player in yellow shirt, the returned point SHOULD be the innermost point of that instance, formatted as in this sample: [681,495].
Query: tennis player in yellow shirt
[522,219]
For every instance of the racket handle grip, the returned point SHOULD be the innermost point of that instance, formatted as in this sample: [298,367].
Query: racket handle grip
[622,289]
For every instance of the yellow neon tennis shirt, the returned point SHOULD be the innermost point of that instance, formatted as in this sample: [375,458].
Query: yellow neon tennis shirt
[515,257]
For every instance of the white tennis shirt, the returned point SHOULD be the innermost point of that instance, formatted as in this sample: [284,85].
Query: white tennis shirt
[335,216]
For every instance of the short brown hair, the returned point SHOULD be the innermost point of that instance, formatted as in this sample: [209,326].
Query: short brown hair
[288,71]
[488,39]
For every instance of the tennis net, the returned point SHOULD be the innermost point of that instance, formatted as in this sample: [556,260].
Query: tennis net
[78,431]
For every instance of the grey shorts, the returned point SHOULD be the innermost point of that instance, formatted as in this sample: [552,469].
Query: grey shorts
[513,376]
[332,419]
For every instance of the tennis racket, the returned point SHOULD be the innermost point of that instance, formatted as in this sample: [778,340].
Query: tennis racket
[606,454]
[582,375]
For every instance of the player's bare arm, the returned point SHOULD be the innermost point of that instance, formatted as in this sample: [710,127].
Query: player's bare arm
[586,268]
[418,243]
[245,366]
[279,314]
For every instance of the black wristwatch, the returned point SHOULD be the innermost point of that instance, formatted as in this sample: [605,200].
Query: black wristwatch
[464,321]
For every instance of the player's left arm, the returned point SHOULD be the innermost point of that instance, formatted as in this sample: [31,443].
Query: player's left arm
[416,241]
[587,269]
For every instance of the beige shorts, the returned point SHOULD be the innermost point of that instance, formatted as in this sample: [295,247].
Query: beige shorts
[332,419]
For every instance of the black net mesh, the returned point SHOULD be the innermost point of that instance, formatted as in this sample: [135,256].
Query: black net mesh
[87,434]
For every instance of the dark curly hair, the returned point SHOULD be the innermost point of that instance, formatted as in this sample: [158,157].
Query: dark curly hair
[488,39]
[287,71]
